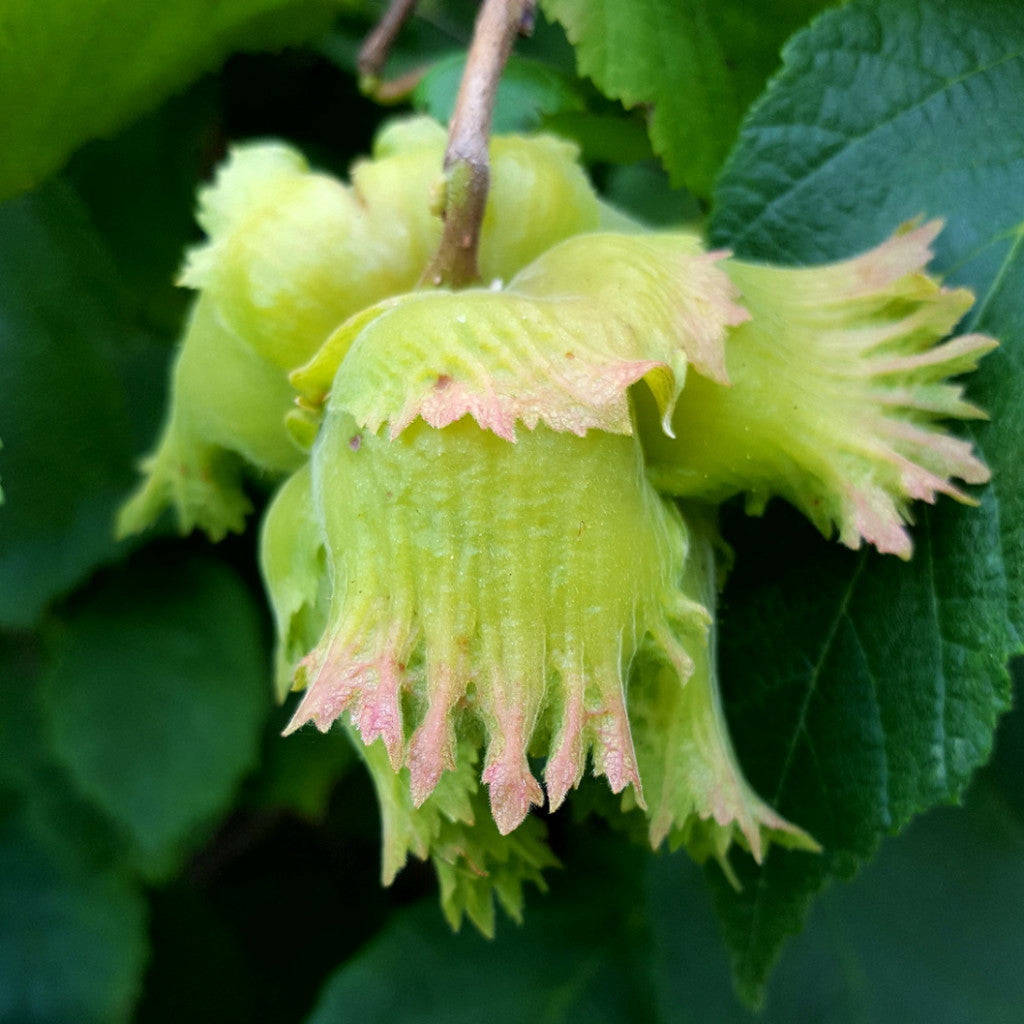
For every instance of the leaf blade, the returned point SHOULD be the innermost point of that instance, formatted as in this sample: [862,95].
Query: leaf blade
[912,673]
[696,64]
[64,414]
[91,68]
[155,697]
[72,937]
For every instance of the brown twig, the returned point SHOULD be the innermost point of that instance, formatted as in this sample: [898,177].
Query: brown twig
[394,90]
[373,54]
[466,163]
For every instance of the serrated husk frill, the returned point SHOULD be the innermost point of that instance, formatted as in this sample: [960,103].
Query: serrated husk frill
[560,345]
[697,794]
[465,584]
[469,592]
[838,384]
[292,253]
[475,865]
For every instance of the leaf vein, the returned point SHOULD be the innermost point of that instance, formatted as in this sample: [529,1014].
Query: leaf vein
[758,901]
[942,695]
[815,673]
[886,798]
[806,179]
[981,308]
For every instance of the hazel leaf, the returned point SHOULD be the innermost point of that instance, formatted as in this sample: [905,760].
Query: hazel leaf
[91,68]
[694,65]
[155,700]
[73,941]
[529,92]
[66,415]
[586,957]
[884,697]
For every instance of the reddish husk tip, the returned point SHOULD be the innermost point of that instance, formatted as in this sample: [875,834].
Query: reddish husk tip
[839,384]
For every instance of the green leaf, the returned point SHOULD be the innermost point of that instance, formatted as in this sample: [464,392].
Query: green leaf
[87,306]
[72,938]
[31,782]
[301,774]
[64,411]
[928,934]
[71,70]
[883,695]
[140,192]
[156,697]
[608,138]
[581,956]
[88,309]
[697,63]
[872,97]
[642,190]
[528,91]
[22,739]
[1006,769]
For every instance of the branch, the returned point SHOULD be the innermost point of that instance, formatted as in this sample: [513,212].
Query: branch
[466,162]
[373,54]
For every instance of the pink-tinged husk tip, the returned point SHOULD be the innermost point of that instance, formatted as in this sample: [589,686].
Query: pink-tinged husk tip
[416,671]
[838,387]
[451,824]
[513,610]
[559,345]
[471,594]
[698,796]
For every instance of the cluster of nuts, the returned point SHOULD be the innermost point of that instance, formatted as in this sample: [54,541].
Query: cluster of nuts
[493,556]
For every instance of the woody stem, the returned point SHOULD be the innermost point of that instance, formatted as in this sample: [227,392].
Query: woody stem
[466,163]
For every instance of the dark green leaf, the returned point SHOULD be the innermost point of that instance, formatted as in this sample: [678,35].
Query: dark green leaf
[697,63]
[642,190]
[140,191]
[87,309]
[64,419]
[864,691]
[156,698]
[580,955]
[1006,769]
[301,773]
[23,743]
[71,70]
[603,138]
[928,934]
[72,938]
[31,782]
[529,90]
[883,113]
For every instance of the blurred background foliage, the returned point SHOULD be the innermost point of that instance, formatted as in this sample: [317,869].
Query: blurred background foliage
[163,853]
